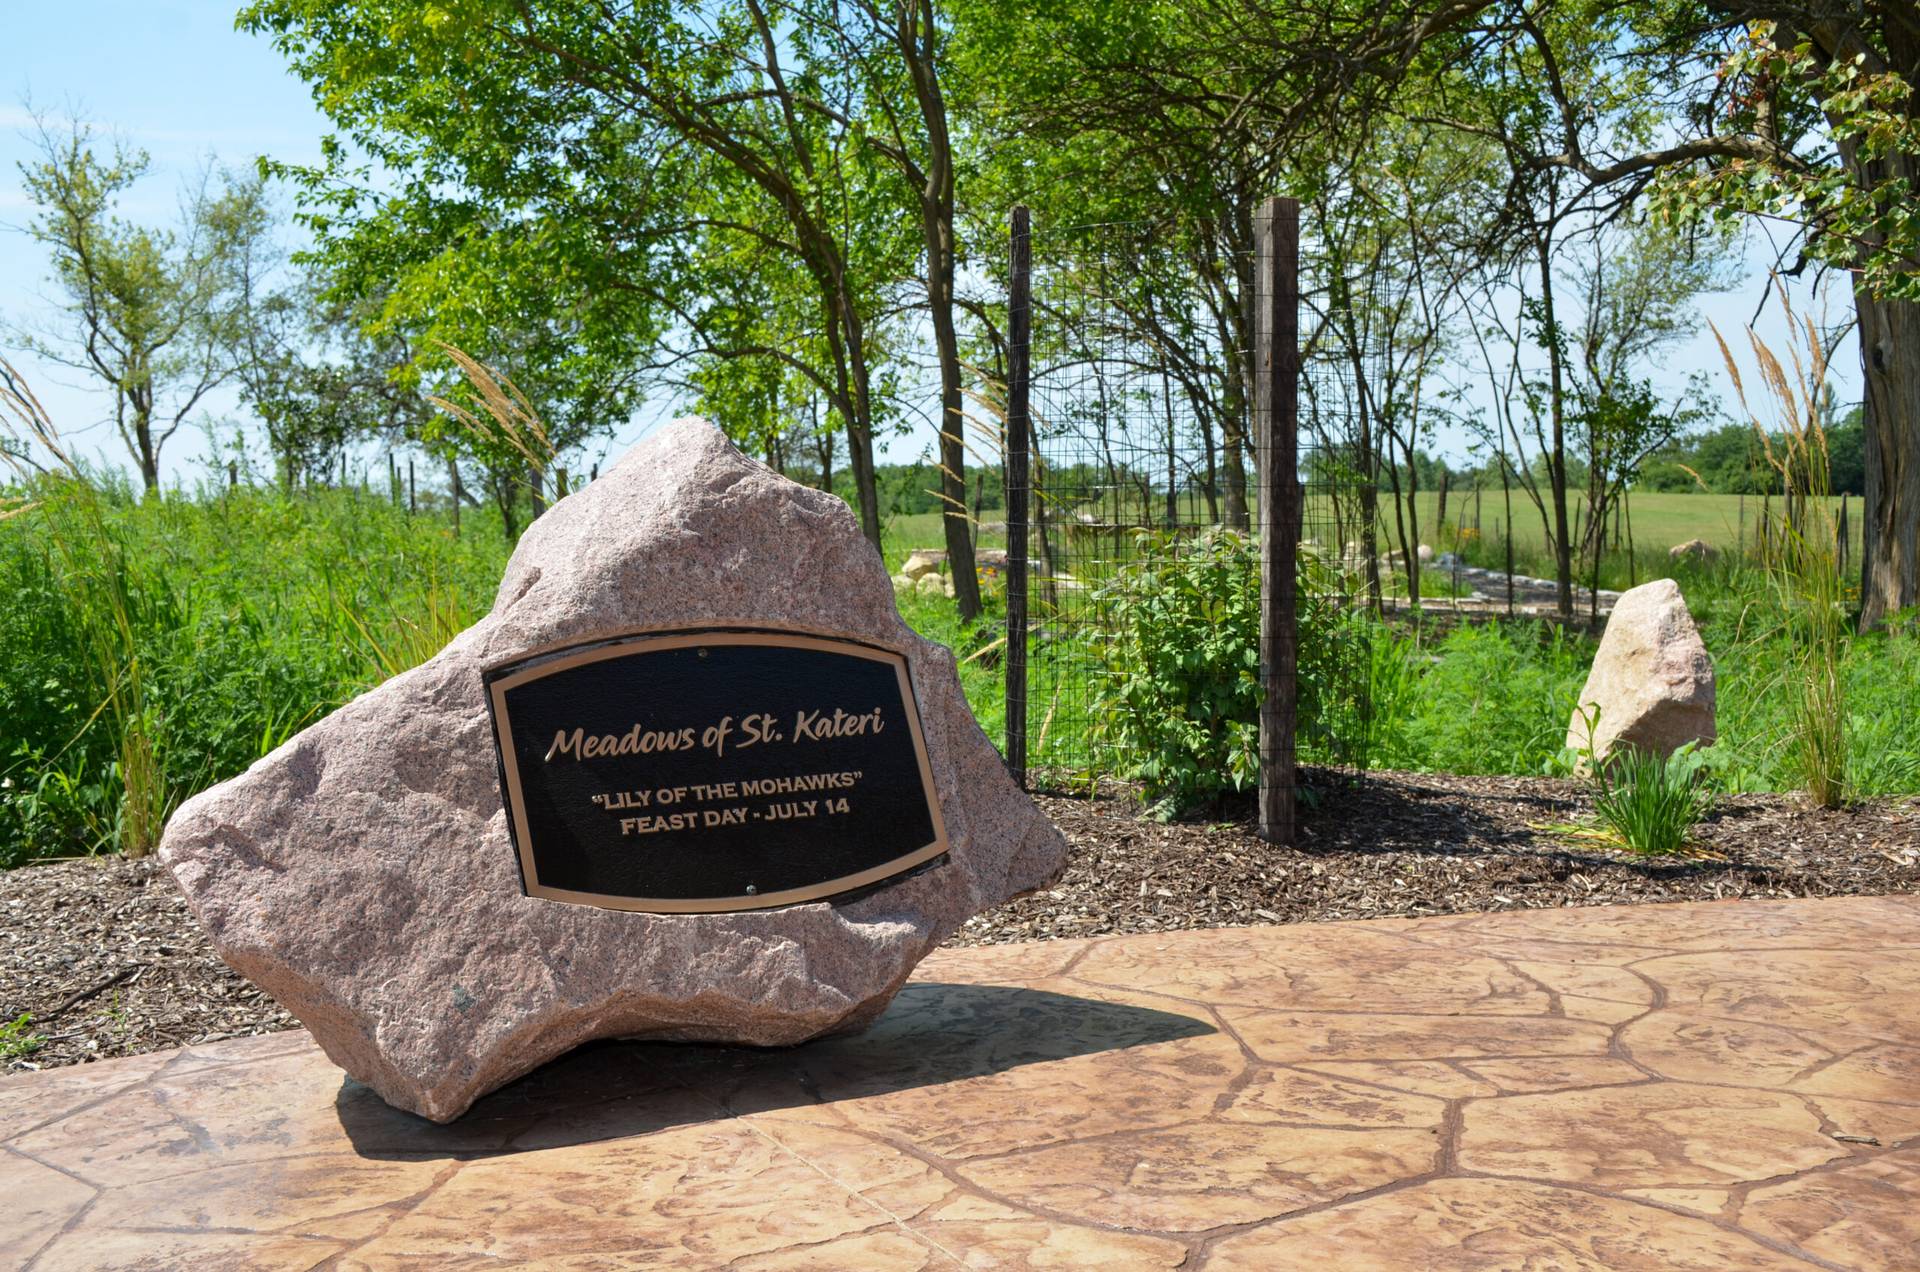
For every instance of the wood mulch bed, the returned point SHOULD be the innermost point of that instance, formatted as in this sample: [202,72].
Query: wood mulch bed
[1412,844]
[106,959]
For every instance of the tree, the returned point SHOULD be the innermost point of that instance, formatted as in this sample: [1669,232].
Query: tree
[1187,116]
[898,46]
[1523,60]
[1637,288]
[662,149]
[578,365]
[309,367]
[1398,230]
[149,312]
[318,381]
[1801,112]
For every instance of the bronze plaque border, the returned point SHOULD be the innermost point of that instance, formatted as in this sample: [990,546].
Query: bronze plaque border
[547,664]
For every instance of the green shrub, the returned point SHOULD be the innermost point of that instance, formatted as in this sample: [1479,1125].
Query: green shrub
[1178,698]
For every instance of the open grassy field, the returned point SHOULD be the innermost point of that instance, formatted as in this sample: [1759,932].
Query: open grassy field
[1658,520]
[902,534]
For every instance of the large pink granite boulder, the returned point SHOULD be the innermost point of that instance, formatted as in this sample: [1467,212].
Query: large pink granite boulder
[1651,681]
[363,873]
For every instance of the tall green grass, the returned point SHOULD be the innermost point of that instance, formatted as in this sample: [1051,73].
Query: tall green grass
[1497,698]
[1487,699]
[249,614]
[109,597]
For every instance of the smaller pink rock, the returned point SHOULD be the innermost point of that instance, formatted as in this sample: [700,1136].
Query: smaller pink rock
[1652,681]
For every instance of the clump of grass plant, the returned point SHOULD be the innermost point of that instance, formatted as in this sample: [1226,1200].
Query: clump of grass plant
[1492,698]
[1801,557]
[194,630]
[17,1038]
[1650,803]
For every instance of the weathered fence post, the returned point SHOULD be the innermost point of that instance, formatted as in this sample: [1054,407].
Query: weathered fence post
[1019,347]
[1276,358]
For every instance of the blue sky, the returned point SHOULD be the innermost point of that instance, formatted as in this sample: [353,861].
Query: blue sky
[177,80]
[174,79]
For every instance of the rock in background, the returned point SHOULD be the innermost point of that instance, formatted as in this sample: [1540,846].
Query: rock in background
[1651,679]
[363,875]
[924,572]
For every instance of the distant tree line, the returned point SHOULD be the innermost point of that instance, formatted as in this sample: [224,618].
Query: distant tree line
[1731,460]
[1726,459]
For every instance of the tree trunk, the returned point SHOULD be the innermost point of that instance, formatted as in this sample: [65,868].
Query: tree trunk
[149,455]
[503,497]
[1890,516]
[1406,520]
[846,337]
[1232,308]
[915,37]
[823,447]
[953,449]
[536,497]
[1233,452]
[1173,495]
[1557,459]
[1368,463]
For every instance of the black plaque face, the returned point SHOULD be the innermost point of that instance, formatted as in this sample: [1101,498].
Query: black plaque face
[696,772]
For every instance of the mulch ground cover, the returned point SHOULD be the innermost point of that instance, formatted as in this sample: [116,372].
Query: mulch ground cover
[106,960]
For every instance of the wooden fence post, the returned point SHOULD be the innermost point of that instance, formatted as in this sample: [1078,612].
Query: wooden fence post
[1019,348]
[1276,359]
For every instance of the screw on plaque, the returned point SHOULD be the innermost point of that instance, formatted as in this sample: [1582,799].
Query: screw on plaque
[752,891]
[703,651]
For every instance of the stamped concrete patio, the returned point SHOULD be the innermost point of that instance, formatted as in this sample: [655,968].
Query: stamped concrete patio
[1729,1085]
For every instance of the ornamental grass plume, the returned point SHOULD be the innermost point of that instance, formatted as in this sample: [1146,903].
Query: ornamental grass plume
[509,419]
[1801,554]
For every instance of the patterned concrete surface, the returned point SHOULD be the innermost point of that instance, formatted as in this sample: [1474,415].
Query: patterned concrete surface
[1730,1085]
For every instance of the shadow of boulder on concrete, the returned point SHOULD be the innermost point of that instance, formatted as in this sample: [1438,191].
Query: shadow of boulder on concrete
[932,1034]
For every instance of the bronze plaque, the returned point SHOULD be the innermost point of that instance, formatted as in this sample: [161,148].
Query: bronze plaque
[698,772]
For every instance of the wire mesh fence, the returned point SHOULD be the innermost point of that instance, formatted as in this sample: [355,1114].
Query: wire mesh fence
[1144,540]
